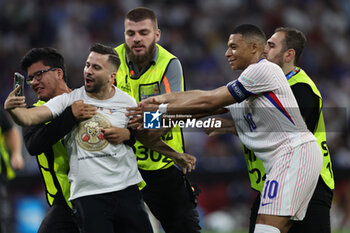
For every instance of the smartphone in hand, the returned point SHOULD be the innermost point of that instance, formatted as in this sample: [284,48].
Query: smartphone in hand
[19,81]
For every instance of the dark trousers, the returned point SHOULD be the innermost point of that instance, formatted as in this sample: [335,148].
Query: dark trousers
[317,218]
[59,219]
[170,198]
[116,212]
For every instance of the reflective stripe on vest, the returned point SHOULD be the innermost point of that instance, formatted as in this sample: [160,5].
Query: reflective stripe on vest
[255,166]
[148,85]
[58,170]
[5,158]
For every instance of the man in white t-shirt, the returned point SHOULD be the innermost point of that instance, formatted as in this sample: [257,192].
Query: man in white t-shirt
[104,176]
[267,121]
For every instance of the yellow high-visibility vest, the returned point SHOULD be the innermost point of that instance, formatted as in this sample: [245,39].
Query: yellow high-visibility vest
[55,172]
[145,86]
[5,158]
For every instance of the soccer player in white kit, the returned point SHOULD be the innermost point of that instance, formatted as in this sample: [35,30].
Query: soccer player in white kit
[267,121]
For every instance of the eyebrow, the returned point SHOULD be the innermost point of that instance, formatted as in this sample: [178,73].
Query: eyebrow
[141,30]
[231,43]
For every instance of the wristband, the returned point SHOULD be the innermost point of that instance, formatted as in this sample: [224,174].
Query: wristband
[162,108]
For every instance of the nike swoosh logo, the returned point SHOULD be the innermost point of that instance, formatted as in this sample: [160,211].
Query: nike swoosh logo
[264,204]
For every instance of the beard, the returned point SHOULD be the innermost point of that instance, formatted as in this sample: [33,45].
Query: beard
[278,59]
[96,86]
[141,59]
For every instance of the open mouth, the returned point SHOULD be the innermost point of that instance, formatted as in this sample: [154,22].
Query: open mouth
[88,81]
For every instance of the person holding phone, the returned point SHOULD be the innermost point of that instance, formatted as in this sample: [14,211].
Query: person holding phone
[103,175]
[19,81]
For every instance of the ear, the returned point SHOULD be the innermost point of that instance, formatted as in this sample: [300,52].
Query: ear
[112,77]
[60,73]
[157,35]
[289,55]
[255,47]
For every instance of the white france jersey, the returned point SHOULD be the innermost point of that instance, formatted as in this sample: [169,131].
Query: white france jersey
[97,166]
[267,117]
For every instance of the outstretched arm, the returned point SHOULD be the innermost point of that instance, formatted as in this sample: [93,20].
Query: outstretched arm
[15,105]
[40,138]
[190,102]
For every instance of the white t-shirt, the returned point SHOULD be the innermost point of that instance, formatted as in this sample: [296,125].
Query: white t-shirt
[97,166]
[267,116]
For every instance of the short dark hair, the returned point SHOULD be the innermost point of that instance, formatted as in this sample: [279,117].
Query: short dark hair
[250,30]
[48,56]
[141,13]
[113,57]
[294,39]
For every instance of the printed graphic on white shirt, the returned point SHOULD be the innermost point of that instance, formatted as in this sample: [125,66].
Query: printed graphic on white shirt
[89,133]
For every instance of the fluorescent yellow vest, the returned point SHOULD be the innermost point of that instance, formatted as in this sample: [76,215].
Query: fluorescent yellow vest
[145,86]
[59,169]
[255,166]
[4,156]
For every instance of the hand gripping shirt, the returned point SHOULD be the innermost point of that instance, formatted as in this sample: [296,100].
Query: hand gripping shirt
[267,117]
[97,166]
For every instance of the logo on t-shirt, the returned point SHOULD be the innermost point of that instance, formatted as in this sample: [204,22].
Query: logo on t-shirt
[151,120]
[89,133]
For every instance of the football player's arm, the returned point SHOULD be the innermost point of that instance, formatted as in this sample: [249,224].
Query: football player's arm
[172,81]
[190,102]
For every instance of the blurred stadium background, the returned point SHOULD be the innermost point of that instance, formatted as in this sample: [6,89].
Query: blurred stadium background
[196,31]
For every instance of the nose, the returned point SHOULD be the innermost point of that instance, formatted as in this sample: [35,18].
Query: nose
[137,38]
[87,69]
[34,82]
[228,52]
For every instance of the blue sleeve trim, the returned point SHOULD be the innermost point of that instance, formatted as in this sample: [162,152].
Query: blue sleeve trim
[238,91]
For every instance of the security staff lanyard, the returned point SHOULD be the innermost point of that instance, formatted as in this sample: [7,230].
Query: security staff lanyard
[292,73]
